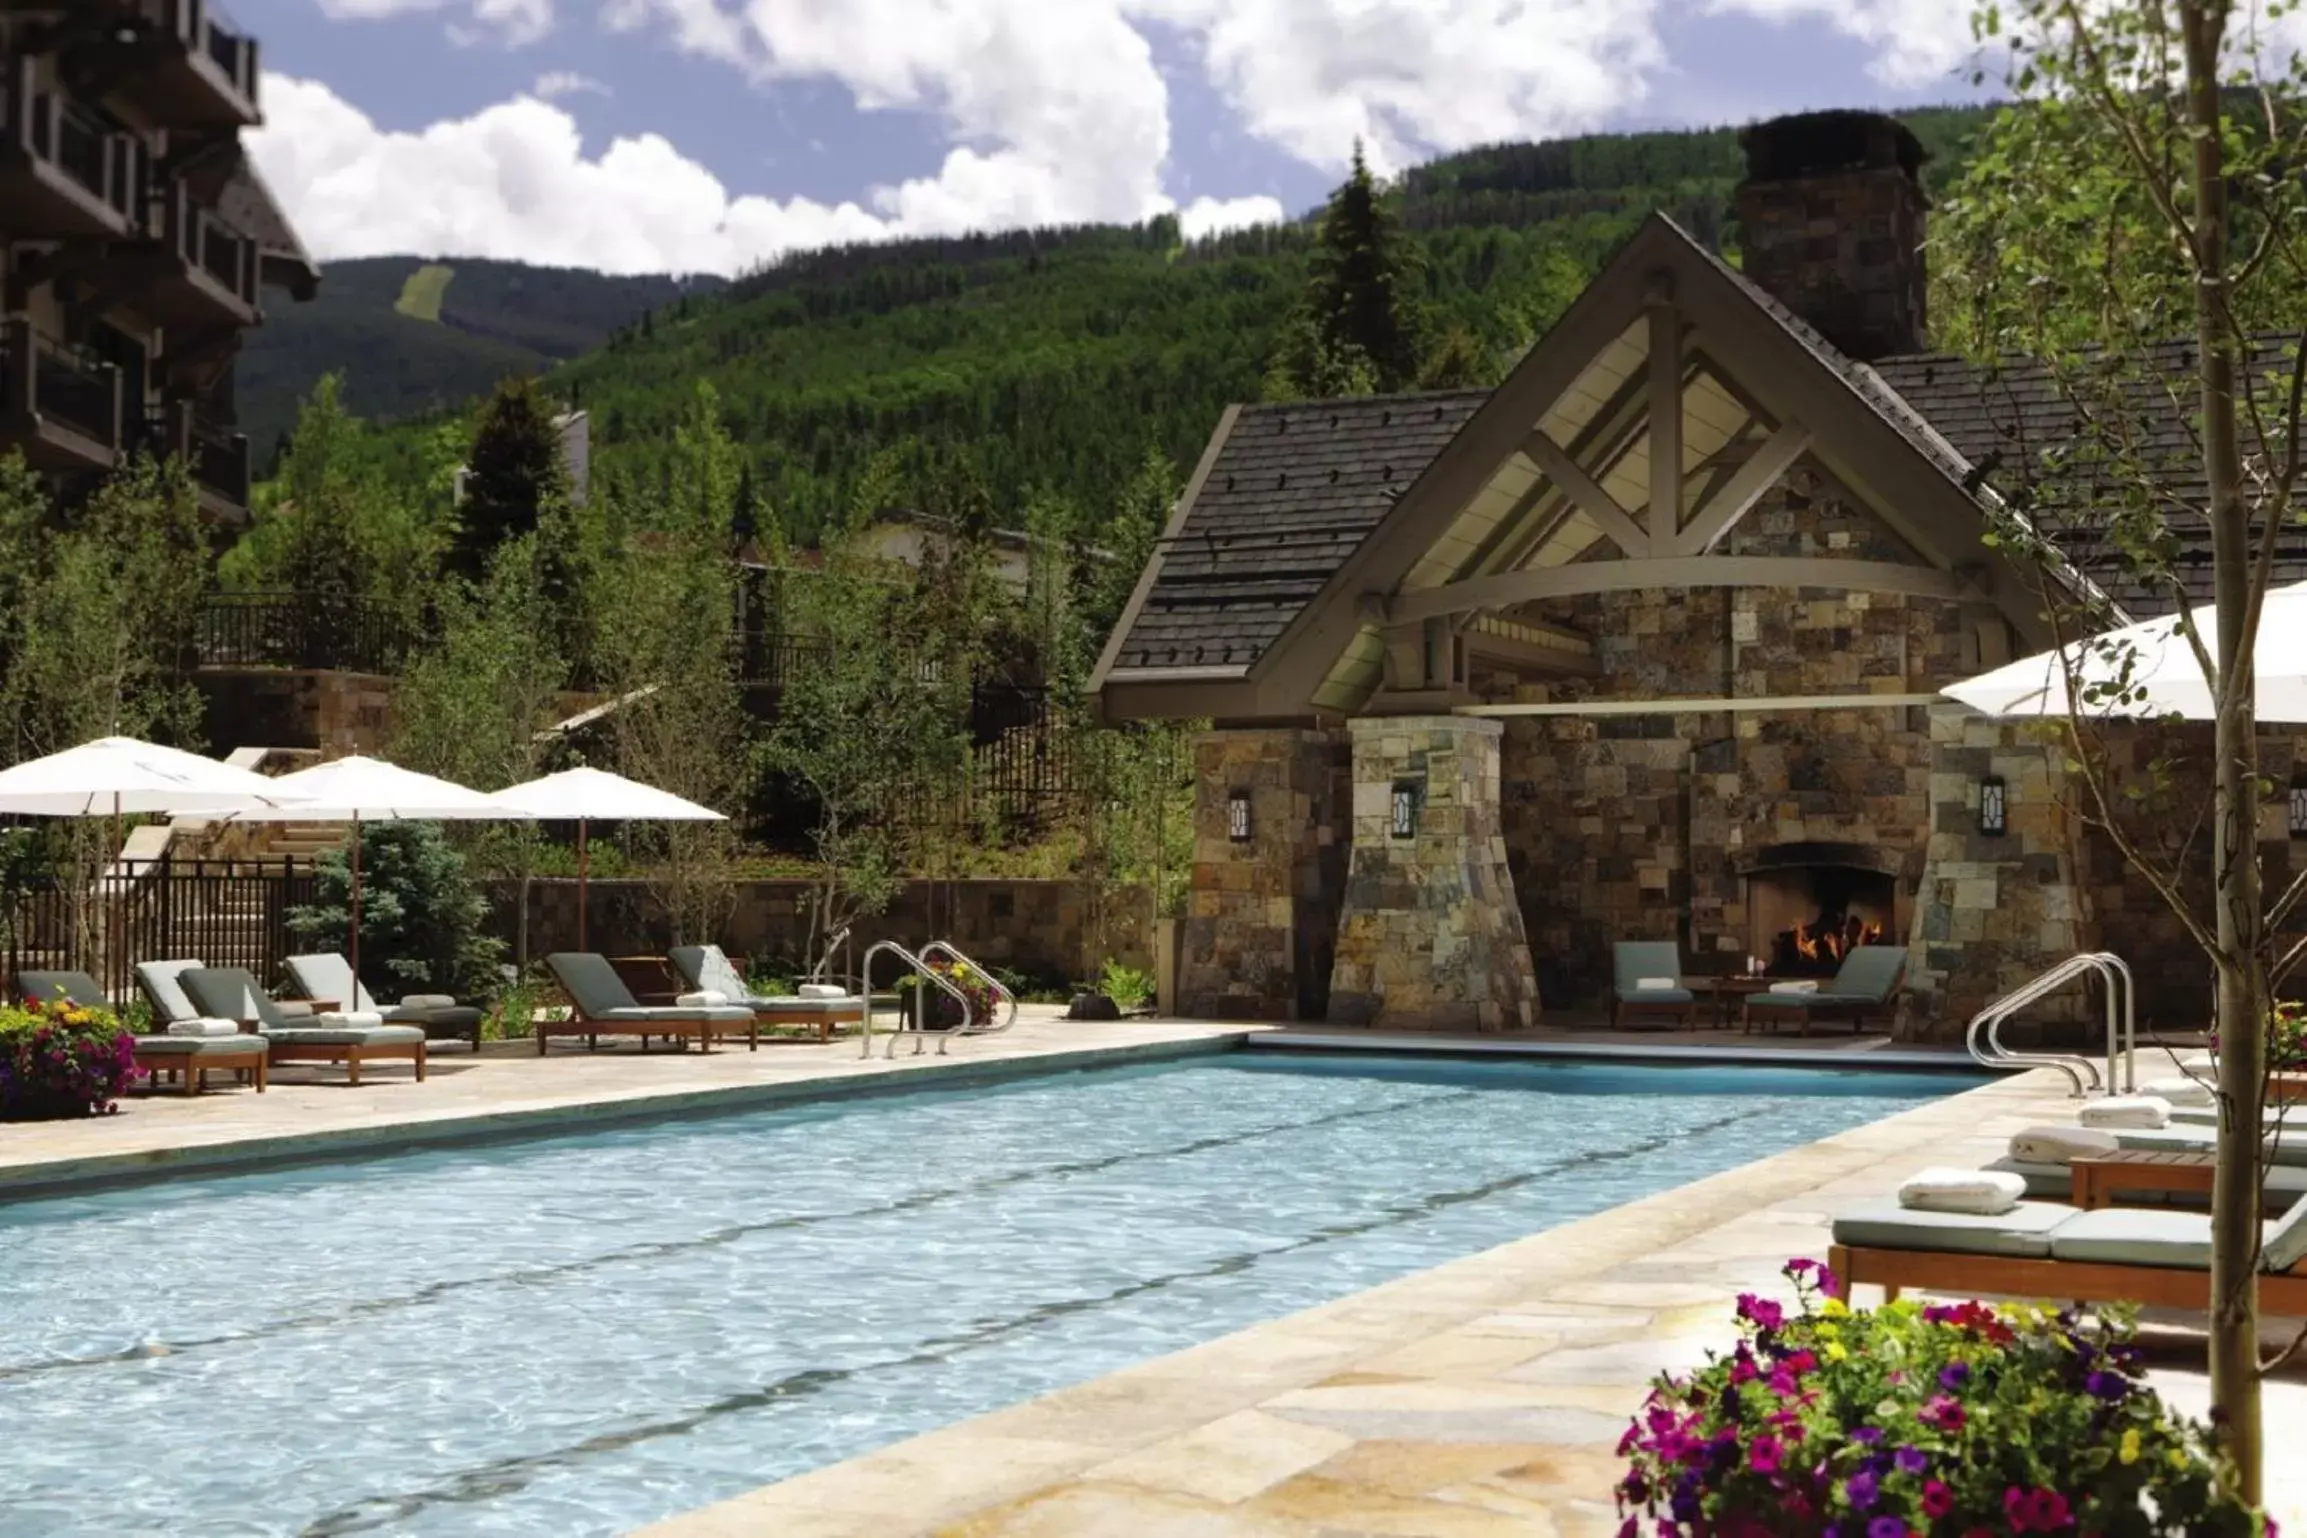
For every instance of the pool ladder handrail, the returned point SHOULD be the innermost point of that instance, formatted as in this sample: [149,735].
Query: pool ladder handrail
[922,970]
[823,970]
[1002,996]
[1983,1039]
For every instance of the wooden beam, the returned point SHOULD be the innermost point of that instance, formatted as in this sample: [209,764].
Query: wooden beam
[1774,703]
[1530,657]
[1763,467]
[1665,425]
[1683,571]
[1592,500]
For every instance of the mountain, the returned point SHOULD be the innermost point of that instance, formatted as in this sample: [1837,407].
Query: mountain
[414,337]
[1052,360]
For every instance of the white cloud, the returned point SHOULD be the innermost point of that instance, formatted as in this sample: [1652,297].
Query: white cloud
[513,181]
[1917,43]
[1215,216]
[554,84]
[515,23]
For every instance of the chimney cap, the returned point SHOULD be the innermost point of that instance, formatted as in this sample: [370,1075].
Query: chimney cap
[1820,143]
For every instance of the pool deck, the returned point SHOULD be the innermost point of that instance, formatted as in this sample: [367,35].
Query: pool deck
[1479,1399]
[508,1091]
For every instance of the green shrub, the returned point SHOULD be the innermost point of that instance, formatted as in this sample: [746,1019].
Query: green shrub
[421,915]
[1128,987]
[59,1059]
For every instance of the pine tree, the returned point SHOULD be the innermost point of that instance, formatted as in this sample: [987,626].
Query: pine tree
[515,470]
[1361,291]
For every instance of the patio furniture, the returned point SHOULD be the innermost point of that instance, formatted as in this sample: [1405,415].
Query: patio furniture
[705,969]
[329,976]
[2101,1178]
[301,1036]
[604,1006]
[1728,992]
[1865,985]
[187,1058]
[1647,980]
[2150,1257]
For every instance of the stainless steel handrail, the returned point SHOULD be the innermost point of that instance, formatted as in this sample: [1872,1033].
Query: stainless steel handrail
[946,948]
[1983,1039]
[833,947]
[916,1030]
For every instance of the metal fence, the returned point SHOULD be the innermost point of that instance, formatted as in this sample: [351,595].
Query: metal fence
[227,913]
[304,630]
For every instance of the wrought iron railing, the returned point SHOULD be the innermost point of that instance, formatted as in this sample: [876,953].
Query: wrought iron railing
[318,631]
[59,382]
[218,460]
[227,913]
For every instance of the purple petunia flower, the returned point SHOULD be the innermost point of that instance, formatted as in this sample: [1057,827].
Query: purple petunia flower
[2108,1386]
[1911,1460]
[1863,1490]
[1865,1436]
[1886,1527]
[1954,1375]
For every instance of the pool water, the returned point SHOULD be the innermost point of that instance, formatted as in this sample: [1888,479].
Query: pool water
[579,1335]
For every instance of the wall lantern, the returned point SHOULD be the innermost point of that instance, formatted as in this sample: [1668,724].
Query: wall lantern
[1994,806]
[2297,807]
[1238,816]
[1403,818]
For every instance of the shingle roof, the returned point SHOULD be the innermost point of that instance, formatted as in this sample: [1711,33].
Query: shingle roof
[1293,491]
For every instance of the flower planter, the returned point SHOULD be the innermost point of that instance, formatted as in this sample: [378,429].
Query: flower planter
[60,1061]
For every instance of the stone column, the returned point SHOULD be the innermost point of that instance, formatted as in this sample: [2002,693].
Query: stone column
[1256,940]
[1991,911]
[1432,937]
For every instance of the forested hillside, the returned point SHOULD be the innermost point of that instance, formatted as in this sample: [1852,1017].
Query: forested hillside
[1055,359]
[412,337]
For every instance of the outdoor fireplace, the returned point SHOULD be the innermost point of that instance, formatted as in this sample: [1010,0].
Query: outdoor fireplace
[1809,905]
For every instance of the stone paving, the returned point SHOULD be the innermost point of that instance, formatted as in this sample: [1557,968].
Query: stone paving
[1476,1400]
[508,1088]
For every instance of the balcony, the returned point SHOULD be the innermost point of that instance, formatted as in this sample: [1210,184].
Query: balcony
[200,271]
[64,171]
[59,407]
[199,69]
[214,456]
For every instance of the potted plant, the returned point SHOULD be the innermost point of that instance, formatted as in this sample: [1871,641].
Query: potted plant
[930,1008]
[61,1060]
[1919,1421]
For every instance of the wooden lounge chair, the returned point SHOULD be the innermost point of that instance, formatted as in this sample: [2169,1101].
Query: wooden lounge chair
[1633,962]
[2149,1256]
[1865,986]
[189,1058]
[301,1036]
[604,1006]
[704,969]
[329,976]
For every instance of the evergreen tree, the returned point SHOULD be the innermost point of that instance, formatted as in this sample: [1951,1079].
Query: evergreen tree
[515,470]
[1363,273]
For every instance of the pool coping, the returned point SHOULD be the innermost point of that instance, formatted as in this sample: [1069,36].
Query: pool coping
[1861,1056]
[1186,1440]
[45,1179]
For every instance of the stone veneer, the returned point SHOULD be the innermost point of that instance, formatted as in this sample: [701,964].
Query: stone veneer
[1431,938]
[1261,925]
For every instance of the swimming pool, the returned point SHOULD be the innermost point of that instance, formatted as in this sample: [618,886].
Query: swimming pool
[577,1335]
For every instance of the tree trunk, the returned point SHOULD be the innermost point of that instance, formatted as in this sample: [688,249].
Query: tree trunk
[2242,1015]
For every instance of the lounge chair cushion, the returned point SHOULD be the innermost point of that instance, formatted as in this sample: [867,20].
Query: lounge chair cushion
[2283,1244]
[2180,1092]
[2135,1236]
[238,1043]
[826,991]
[163,985]
[2196,1139]
[706,969]
[328,975]
[1869,972]
[2045,1182]
[331,1036]
[2125,1111]
[591,983]
[1985,1192]
[2055,1182]
[639,1014]
[427,1001]
[231,993]
[73,987]
[2024,1230]
[1636,962]
[2061,1145]
[832,1004]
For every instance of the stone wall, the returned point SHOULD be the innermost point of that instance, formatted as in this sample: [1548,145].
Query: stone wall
[337,713]
[1261,926]
[1431,938]
[1045,929]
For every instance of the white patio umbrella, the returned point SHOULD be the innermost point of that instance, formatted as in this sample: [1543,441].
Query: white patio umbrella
[2151,659]
[358,790]
[585,796]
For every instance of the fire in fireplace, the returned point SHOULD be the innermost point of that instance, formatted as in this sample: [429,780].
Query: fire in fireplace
[1804,918]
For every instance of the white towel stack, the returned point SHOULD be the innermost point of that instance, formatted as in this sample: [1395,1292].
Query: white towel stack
[1805,985]
[1983,1192]
[2061,1145]
[203,1028]
[1652,984]
[2126,1111]
[2179,1091]
[429,1001]
[350,1020]
[703,998]
[823,991]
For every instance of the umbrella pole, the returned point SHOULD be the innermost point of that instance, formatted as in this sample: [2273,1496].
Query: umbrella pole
[353,1003]
[114,925]
[583,855]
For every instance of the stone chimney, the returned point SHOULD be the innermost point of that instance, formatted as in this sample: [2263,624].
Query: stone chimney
[1831,216]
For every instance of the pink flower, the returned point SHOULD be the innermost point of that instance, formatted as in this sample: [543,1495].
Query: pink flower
[1944,1413]
[1937,1499]
[1762,1311]
[1763,1457]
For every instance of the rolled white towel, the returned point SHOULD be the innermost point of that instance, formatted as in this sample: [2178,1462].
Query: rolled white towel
[429,1001]
[2127,1111]
[1805,985]
[2061,1145]
[1984,1192]
[203,1027]
[2198,1062]
[349,1020]
[1653,984]
[823,991]
[297,1009]
[703,998]
[2179,1091]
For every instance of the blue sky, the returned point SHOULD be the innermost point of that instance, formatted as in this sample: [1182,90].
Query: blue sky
[708,134]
